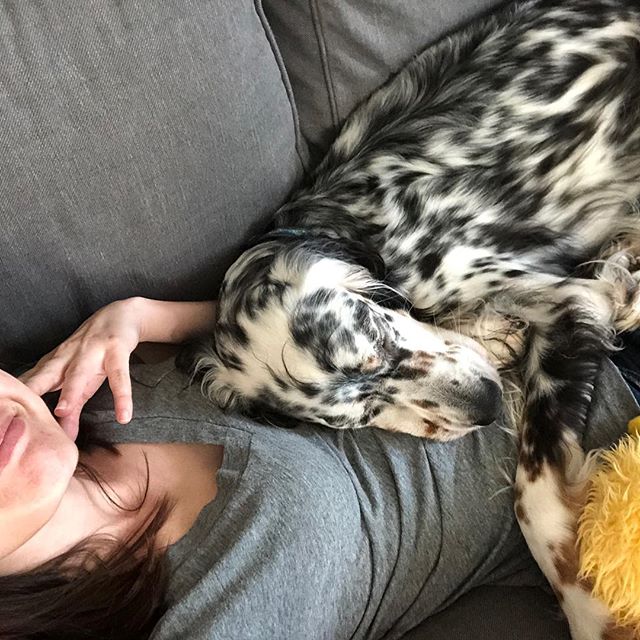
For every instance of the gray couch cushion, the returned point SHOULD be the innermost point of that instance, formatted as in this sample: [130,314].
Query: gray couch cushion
[140,144]
[338,51]
[497,613]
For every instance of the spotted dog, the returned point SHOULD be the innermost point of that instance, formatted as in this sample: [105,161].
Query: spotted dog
[488,193]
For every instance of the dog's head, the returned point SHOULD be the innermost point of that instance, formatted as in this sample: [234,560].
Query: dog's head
[305,331]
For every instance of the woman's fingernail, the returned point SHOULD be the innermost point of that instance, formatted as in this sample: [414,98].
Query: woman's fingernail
[125,416]
[62,406]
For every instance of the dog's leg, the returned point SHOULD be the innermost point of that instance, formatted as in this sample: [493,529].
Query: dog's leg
[571,325]
[569,338]
[621,270]
[549,498]
[503,336]
[518,297]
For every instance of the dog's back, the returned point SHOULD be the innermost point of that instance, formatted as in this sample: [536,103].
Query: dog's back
[517,139]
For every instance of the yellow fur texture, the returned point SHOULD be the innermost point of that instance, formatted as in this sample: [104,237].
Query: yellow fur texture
[609,531]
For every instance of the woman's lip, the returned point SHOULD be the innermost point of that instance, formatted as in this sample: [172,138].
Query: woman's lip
[12,434]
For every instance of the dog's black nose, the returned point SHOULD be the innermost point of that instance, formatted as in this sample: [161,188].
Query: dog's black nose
[488,402]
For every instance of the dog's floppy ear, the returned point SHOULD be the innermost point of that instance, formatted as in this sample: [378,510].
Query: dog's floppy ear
[198,359]
[388,298]
[356,252]
[330,226]
[187,357]
[361,252]
[380,289]
[263,413]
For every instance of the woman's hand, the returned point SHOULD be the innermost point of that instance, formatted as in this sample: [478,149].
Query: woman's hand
[99,349]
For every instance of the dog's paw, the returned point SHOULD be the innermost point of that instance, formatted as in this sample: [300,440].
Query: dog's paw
[621,270]
[502,335]
[628,313]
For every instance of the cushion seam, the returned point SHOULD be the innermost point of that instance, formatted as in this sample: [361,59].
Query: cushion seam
[285,81]
[316,20]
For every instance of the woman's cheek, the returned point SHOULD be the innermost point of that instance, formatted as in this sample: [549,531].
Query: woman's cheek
[53,459]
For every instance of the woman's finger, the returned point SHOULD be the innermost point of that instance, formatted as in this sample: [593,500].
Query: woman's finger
[75,387]
[71,424]
[43,381]
[120,382]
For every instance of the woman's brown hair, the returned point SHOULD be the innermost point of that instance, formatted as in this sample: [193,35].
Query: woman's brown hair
[100,589]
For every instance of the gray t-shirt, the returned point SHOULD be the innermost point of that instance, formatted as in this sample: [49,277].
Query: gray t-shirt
[324,534]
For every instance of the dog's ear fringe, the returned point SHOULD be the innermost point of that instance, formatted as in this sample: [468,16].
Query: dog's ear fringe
[209,366]
[200,360]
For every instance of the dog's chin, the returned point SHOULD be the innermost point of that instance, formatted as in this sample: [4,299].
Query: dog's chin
[436,428]
[443,434]
[456,432]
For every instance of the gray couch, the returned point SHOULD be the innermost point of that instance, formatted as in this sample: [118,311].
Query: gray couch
[141,142]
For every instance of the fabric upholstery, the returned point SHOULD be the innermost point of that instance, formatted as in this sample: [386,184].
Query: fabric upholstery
[140,144]
[338,51]
[497,613]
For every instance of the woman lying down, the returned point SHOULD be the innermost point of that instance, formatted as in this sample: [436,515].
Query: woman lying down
[182,522]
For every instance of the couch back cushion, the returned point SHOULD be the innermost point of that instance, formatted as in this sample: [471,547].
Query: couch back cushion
[338,51]
[141,142]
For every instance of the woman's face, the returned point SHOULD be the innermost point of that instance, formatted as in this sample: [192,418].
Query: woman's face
[37,461]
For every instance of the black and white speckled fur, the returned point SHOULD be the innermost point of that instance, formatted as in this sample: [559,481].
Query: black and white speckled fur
[470,190]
